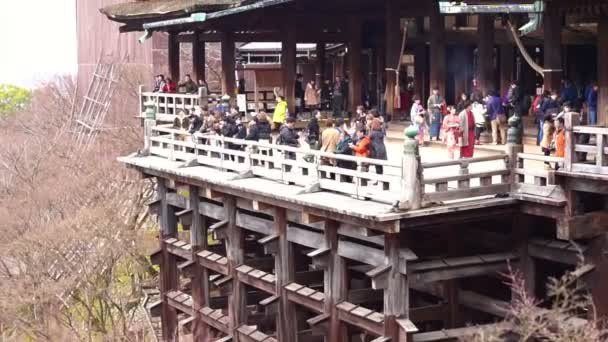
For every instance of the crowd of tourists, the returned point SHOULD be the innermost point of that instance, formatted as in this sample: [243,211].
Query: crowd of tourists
[166,85]
[458,126]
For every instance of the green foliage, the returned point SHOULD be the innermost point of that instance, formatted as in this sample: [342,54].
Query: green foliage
[13,99]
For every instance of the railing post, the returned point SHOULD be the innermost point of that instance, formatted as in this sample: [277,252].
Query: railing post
[149,123]
[570,121]
[514,147]
[411,172]
[141,99]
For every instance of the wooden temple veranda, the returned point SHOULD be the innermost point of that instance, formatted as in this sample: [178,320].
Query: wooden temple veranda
[304,251]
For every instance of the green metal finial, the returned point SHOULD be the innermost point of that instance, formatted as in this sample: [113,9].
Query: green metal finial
[411,132]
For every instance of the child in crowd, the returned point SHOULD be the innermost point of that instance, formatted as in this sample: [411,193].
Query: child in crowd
[559,139]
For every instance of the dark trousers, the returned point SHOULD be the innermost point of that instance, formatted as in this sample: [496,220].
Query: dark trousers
[336,105]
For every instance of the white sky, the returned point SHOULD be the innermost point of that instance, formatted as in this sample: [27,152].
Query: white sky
[38,39]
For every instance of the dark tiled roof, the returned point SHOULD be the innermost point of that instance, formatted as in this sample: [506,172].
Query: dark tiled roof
[151,9]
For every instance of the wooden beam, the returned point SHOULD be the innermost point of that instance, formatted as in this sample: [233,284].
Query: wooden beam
[485,53]
[168,267]
[393,37]
[200,279]
[506,67]
[288,61]
[437,51]
[396,295]
[335,284]
[285,274]
[552,23]
[557,251]
[584,226]
[320,64]
[602,72]
[235,252]
[198,58]
[228,65]
[354,59]
[173,57]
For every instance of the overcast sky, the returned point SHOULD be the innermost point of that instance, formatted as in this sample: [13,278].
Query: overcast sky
[38,40]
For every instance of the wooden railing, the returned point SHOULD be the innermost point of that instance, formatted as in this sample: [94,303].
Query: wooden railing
[315,170]
[467,182]
[168,105]
[534,175]
[582,142]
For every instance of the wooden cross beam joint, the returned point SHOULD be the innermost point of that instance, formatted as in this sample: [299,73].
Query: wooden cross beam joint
[185,217]
[270,243]
[379,276]
[320,258]
[219,230]
[319,323]
[187,268]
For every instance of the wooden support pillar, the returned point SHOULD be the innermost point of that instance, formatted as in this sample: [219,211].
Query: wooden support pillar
[354,65]
[228,67]
[287,328]
[380,73]
[506,67]
[200,280]
[288,61]
[173,57]
[168,267]
[485,53]
[450,293]
[396,295]
[437,52]
[461,71]
[526,265]
[602,70]
[552,49]
[420,71]
[320,64]
[392,47]
[420,63]
[198,58]
[335,284]
[235,251]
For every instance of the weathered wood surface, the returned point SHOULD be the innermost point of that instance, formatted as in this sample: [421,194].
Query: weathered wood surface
[284,267]
[168,264]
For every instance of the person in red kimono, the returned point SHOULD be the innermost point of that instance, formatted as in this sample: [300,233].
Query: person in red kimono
[467,129]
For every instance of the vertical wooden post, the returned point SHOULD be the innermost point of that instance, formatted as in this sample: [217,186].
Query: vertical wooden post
[320,64]
[602,70]
[288,61]
[173,57]
[437,51]
[228,65]
[198,57]
[168,267]
[485,53]
[392,57]
[200,280]
[460,71]
[235,251]
[335,284]
[412,188]
[506,67]
[420,67]
[396,295]
[354,65]
[287,329]
[420,63]
[526,264]
[570,157]
[380,73]
[552,49]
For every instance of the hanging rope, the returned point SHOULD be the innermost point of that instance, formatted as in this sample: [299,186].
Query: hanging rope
[397,88]
[522,49]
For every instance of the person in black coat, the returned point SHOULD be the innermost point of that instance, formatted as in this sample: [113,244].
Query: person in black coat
[260,128]
[288,135]
[314,130]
